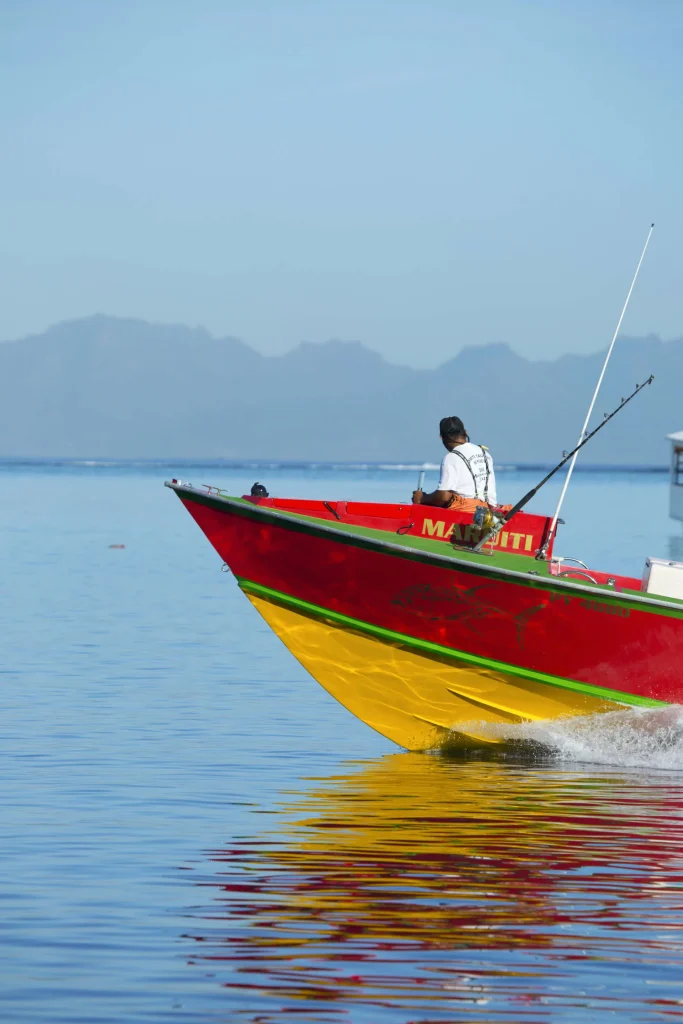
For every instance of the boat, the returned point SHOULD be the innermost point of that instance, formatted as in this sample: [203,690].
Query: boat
[430,634]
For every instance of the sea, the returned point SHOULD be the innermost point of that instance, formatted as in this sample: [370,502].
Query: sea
[192,830]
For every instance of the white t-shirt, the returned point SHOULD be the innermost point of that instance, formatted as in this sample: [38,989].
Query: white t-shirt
[455,475]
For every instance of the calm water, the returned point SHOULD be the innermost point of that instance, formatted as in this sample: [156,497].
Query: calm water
[192,830]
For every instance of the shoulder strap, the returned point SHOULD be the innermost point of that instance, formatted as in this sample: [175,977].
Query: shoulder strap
[464,458]
[484,451]
[454,451]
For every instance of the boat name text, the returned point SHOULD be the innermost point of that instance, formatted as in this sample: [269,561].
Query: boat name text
[468,533]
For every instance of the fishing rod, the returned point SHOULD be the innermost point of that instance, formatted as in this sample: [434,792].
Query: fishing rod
[553,525]
[495,528]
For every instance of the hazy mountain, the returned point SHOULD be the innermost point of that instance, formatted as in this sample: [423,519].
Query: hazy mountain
[104,386]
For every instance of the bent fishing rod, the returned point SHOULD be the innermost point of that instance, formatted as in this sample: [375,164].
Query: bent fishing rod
[495,528]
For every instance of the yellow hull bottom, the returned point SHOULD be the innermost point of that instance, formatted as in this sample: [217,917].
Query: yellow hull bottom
[417,701]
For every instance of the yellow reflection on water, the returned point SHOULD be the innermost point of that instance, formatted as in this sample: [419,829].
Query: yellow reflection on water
[417,882]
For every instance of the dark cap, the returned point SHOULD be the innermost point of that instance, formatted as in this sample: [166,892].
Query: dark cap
[452,427]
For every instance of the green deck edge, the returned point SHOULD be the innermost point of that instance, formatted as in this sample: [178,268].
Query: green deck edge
[420,548]
[415,542]
[436,650]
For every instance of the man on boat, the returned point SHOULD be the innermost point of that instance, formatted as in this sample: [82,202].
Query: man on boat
[467,479]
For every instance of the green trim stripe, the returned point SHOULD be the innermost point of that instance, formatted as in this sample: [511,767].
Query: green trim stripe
[430,552]
[436,650]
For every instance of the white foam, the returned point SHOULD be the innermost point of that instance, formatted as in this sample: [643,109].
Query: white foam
[632,737]
[406,466]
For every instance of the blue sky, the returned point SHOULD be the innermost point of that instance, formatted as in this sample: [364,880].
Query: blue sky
[414,175]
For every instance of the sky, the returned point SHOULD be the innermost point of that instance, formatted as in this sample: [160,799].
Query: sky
[418,176]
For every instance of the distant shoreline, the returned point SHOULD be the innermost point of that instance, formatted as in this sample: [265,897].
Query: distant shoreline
[9,462]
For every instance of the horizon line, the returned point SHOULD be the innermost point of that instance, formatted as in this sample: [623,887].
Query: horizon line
[386,465]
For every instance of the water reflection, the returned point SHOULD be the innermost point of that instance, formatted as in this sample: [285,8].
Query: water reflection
[420,888]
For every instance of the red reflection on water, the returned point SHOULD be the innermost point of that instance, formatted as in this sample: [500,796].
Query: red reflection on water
[414,883]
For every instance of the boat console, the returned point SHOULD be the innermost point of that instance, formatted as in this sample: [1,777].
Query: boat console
[663,578]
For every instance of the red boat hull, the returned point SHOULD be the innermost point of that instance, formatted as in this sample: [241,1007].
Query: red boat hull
[425,642]
[548,626]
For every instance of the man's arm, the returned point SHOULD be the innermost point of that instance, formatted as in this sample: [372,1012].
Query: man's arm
[440,498]
[447,487]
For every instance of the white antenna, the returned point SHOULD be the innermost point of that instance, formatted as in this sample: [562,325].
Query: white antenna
[553,525]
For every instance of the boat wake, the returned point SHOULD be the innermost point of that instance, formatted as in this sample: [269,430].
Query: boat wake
[632,737]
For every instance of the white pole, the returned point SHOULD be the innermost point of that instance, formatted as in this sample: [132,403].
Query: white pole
[553,525]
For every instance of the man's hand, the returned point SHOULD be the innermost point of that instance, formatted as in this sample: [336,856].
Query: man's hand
[417,497]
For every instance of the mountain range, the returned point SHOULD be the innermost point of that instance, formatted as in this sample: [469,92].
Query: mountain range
[106,386]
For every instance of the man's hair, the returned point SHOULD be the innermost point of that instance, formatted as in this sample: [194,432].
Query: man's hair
[451,428]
